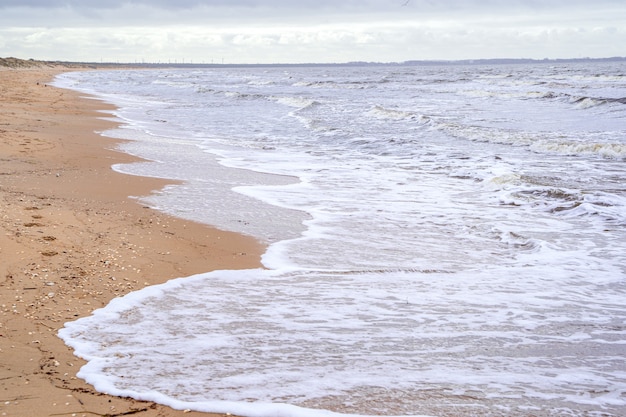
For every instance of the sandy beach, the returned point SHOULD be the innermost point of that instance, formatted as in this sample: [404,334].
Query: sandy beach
[72,240]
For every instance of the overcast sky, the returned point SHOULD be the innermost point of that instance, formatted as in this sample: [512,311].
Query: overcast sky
[296,31]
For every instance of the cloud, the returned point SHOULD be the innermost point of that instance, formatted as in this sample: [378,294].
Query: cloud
[307,30]
[61,13]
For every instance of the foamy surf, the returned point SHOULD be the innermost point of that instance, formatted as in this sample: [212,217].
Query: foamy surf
[439,244]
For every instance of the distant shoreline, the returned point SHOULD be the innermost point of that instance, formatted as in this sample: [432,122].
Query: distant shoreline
[23,63]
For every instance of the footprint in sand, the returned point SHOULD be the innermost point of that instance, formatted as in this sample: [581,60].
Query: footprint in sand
[45,238]
[35,217]
[49,252]
[33,224]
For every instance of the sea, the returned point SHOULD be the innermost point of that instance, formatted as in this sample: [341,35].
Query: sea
[442,240]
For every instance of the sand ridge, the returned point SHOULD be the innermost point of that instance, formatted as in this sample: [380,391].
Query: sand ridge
[71,240]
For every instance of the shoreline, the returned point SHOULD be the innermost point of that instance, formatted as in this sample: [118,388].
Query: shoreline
[72,239]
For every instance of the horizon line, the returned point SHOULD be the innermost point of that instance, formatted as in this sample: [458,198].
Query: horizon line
[494,61]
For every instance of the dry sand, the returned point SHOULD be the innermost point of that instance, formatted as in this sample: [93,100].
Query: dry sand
[71,240]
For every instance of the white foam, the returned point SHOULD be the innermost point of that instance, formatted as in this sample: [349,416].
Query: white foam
[303,338]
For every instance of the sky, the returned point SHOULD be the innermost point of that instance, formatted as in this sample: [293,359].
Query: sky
[309,31]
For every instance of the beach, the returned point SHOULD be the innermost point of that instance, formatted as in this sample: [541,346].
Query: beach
[433,244]
[72,239]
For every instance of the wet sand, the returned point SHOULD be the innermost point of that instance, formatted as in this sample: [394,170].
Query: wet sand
[71,239]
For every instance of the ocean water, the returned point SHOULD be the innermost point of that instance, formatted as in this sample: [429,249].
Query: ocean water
[442,240]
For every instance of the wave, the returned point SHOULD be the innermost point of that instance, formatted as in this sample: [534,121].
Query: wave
[243,96]
[386,113]
[295,101]
[610,207]
[351,85]
[173,82]
[606,150]
[540,142]
[230,94]
[483,134]
[260,82]
[581,102]
[521,243]
[569,203]
[589,102]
